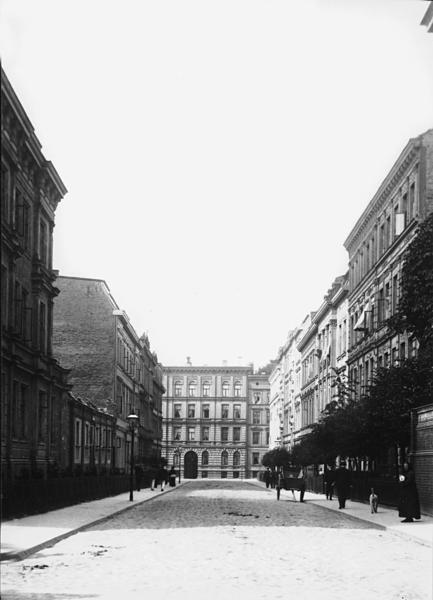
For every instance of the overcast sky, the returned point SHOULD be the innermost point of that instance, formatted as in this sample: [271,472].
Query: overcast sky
[217,154]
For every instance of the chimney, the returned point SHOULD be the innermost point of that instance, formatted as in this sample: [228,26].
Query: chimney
[251,366]
[224,363]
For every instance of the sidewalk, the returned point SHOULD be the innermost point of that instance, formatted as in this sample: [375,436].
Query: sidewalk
[22,537]
[385,518]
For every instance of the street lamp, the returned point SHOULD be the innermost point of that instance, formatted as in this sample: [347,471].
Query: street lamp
[133,422]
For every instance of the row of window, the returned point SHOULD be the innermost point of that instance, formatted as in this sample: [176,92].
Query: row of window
[402,214]
[206,389]
[225,412]
[224,459]
[227,434]
[46,416]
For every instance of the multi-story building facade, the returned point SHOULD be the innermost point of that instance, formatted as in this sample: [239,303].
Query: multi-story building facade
[258,421]
[205,421]
[376,248]
[34,394]
[323,351]
[110,365]
[276,402]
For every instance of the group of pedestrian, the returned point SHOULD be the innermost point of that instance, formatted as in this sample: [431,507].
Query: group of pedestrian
[158,475]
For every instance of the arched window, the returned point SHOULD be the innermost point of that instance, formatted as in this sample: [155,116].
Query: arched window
[206,389]
[191,388]
[224,458]
[226,388]
[236,459]
[238,388]
[178,388]
[205,458]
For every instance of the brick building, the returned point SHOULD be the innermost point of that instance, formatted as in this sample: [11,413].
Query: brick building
[208,415]
[34,389]
[110,365]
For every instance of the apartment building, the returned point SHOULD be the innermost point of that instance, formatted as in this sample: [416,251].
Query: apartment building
[376,248]
[110,365]
[34,386]
[258,421]
[205,421]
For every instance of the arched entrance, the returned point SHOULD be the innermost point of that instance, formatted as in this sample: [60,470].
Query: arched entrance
[190,465]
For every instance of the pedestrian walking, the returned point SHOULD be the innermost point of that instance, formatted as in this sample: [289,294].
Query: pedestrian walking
[329,482]
[303,475]
[153,473]
[138,476]
[273,479]
[342,482]
[409,500]
[268,477]
[162,476]
[172,477]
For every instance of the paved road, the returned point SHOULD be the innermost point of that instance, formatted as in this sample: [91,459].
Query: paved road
[219,538]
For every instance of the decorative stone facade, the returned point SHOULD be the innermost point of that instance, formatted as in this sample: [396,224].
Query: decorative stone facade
[34,386]
[206,425]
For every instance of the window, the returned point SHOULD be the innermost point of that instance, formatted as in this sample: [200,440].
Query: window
[176,434]
[22,416]
[191,434]
[237,411]
[236,434]
[43,255]
[191,389]
[256,438]
[54,404]
[256,458]
[177,411]
[268,417]
[205,434]
[224,475]
[178,389]
[204,474]
[256,417]
[42,326]
[42,417]
[77,440]
[98,437]
[191,411]
[205,411]
[206,389]
[224,434]
[257,398]
[205,459]
[224,459]
[236,459]
[225,411]
[226,388]
[17,309]
[238,388]
[235,474]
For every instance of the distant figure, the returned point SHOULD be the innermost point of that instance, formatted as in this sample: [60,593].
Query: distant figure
[172,477]
[409,500]
[303,487]
[329,482]
[153,473]
[162,476]
[342,480]
[273,479]
[374,501]
[268,477]
[138,476]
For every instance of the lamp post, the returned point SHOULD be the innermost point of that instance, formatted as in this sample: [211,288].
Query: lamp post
[133,422]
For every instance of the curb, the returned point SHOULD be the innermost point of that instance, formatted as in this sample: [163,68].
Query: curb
[22,554]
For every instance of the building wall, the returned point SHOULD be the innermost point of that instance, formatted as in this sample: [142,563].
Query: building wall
[421,455]
[376,248]
[194,421]
[34,385]
[258,421]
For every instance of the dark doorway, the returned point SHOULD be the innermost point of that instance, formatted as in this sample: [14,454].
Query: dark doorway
[190,465]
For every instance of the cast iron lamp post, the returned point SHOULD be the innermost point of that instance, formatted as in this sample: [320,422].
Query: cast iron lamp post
[133,422]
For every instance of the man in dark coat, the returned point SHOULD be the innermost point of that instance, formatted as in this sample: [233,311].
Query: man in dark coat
[409,500]
[329,482]
[342,480]
[138,476]
[268,477]
[162,476]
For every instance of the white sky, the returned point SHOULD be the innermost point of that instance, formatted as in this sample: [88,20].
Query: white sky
[217,154]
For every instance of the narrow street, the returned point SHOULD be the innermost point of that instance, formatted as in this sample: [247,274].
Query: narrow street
[208,539]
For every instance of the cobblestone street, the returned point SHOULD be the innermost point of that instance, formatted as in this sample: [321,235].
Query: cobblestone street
[209,538]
